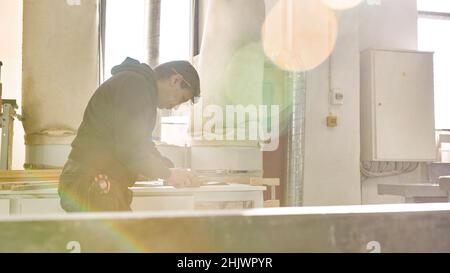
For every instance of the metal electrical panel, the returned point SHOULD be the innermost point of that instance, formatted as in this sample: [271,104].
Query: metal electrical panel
[397,106]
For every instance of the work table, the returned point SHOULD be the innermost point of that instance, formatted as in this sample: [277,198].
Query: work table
[420,193]
[146,198]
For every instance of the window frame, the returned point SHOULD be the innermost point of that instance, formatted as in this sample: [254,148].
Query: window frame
[194,34]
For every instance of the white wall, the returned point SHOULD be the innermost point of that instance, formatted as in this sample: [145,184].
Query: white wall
[392,24]
[332,155]
[11,56]
[331,171]
[331,175]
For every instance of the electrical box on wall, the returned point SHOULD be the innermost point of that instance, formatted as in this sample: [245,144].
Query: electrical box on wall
[336,97]
[397,106]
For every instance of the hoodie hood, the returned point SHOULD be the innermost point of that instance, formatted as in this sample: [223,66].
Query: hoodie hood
[133,65]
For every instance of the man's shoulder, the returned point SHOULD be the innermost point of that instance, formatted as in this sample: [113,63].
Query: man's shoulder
[126,76]
[130,79]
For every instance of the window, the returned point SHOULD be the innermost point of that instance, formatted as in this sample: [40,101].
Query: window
[175,43]
[125,31]
[434,35]
[433,6]
[125,36]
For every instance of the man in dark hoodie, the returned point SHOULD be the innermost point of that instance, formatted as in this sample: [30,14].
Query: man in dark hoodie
[114,147]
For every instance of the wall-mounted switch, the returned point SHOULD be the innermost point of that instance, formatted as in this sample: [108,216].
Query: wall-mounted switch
[336,97]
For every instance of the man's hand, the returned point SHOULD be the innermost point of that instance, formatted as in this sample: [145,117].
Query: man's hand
[183,178]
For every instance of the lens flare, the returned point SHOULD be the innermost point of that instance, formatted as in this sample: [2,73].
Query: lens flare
[298,35]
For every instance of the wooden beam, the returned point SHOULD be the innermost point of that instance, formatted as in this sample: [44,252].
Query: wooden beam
[30,175]
[258,181]
[272,204]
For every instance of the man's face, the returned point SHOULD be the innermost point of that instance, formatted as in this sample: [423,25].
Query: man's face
[171,92]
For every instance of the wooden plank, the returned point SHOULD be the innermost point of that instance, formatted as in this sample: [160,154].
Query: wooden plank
[258,181]
[272,204]
[255,181]
[30,175]
[225,179]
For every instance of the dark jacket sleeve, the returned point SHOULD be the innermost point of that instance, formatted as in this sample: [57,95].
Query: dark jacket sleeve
[134,117]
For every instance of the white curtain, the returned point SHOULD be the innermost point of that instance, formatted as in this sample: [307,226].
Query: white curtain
[60,67]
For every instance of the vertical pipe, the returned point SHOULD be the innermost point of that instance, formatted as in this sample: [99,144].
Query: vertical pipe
[153,35]
[153,22]
[195,36]
[101,39]
[293,193]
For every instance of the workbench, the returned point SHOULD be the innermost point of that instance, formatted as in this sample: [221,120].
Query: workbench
[46,201]
[415,193]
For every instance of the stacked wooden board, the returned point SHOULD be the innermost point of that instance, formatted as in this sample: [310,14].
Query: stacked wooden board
[22,178]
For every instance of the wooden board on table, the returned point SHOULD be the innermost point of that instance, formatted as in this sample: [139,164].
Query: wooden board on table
[30,175]
[254,181]
[225,179]
[272,204]
[258,181]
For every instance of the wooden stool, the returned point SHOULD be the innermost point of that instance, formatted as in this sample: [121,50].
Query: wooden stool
[272,183]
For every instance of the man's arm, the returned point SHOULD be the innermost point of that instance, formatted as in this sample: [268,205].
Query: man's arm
[132,122]
[164,159]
